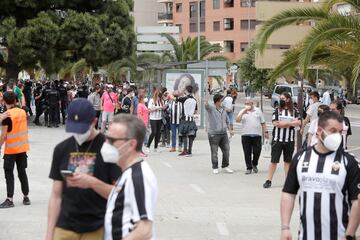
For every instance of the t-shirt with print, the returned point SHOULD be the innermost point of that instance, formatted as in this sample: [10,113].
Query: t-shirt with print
[109,100]
[82,210]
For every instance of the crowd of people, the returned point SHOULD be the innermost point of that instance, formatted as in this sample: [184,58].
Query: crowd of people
[103,187]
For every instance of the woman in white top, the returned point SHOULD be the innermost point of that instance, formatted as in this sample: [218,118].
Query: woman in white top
[155,107]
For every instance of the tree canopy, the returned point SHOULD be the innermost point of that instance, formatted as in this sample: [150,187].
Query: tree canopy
[53,32]
[333,43]
[257,77]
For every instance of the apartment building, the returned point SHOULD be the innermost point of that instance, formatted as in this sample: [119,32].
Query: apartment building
[283,39]
[145,12]
[230,23]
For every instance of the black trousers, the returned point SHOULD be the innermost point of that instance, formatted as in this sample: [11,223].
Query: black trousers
[53,114]
[252,150]
[155,132]
[39,111]
[63,108]
[28,104]
[98,113]
[21,164]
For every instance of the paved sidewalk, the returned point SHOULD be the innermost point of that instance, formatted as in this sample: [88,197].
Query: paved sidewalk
[193,203]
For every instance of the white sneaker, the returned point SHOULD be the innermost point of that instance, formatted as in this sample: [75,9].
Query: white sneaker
[147,150]
[168,146]
[228,170]
[216,171]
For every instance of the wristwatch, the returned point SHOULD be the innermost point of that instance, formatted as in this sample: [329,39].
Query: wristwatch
[348,237]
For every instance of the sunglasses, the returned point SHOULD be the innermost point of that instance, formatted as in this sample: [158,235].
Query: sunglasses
[111,140]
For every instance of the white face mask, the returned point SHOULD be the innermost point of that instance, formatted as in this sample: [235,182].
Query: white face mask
[311,101]
[81,138]
[332,141]
[112,154]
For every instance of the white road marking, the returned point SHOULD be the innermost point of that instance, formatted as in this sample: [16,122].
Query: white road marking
[196,188]
[223,230]
[167,164]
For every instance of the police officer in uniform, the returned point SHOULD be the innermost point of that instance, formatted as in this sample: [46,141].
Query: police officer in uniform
[63,100]
[53,99]
[38,91]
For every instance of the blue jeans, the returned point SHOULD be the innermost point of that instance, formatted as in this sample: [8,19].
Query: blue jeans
[230,118]
[174,130]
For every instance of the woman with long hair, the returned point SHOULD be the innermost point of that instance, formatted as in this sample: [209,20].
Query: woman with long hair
[285,118]
[142,111]
[155,107]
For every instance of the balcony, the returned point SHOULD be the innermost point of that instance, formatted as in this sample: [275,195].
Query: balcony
[165,17]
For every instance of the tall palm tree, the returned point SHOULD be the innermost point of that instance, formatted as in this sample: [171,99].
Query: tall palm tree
[186,50]
[334,41]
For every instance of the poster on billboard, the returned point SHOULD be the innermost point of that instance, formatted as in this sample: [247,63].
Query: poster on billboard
[178,80]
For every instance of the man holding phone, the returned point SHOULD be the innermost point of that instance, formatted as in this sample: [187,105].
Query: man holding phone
[82,180]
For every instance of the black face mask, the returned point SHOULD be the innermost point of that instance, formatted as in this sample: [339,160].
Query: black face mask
[282,103]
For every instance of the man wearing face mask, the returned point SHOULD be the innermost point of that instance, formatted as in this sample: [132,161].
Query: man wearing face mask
[254,127]
[327,180]
[311,112]
[130,211]
[82,180]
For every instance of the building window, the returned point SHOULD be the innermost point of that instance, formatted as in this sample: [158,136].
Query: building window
[280,46]
[202,9]
[228,3]
[179,7]
[180,27]
[245,3]
[216,4]
[228,24]
[193,27]
[244,24]
[193,12]
[243,46]
[228,46]
[193,9]
[216,26]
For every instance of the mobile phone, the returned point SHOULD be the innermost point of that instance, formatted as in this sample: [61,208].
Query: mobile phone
[66,173]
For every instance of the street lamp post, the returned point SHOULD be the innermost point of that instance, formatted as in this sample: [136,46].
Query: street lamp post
[198,30]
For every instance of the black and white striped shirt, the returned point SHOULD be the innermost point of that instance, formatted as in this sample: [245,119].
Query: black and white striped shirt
[175,111]
[284,134]
[326,183]
[189,107]
[132,199]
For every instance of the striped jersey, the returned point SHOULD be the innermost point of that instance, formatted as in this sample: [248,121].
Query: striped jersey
[175,111]
[132,199]
[284,134]
[189,107]
[326,184]
[155,115]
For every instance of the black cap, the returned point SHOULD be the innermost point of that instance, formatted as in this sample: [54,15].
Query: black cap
[81,113]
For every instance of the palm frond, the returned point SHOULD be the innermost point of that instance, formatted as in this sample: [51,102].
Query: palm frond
[286,18]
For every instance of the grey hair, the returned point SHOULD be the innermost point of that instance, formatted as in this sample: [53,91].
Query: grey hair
[135,128]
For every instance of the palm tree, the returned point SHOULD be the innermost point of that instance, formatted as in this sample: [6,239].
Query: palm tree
[186,50]
[334,41]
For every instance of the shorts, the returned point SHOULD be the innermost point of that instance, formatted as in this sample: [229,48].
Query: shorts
[107,116]
[63,234]
[278,148]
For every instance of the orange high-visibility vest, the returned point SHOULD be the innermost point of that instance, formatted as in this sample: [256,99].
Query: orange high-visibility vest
[17,140]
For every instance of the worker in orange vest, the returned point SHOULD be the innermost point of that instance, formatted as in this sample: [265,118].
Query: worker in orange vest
[15,136]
